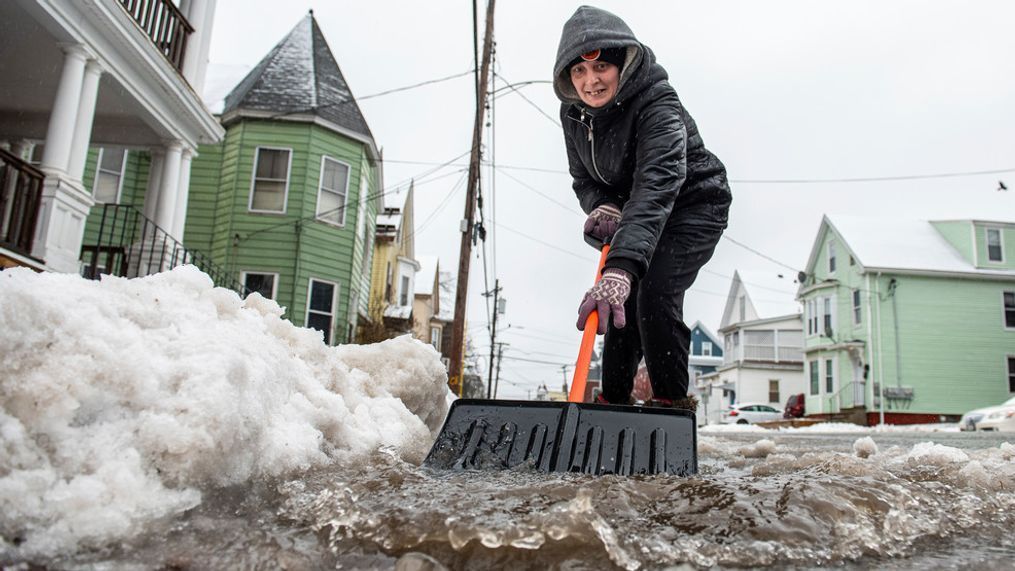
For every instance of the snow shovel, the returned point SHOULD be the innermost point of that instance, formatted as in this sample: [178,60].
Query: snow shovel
[567,436]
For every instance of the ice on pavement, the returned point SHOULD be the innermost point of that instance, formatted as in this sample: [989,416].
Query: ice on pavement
[123,400]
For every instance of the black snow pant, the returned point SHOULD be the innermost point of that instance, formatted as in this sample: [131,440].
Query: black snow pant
[655,316]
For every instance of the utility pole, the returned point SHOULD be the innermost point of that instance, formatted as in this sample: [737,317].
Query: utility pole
[500,356]
[493,336]
[563,369]
[465,251]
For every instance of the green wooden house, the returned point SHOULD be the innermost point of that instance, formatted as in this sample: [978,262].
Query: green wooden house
[287,203]
[906,320]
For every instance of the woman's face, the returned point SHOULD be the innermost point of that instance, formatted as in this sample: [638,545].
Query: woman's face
[595,81]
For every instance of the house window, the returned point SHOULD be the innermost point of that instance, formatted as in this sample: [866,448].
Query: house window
[831,256]
[435,338]
[271,180]
[856,307]
[827,316]
[1011,374]
[387,283]
[403,294]
[1009,309]
[994,251]
[743,308]
[361,223]
[829,376]
[321,307]
[813,367]
[736,338]
[262,283]
[773,390]
[706,348]
[333,191]
[109,175]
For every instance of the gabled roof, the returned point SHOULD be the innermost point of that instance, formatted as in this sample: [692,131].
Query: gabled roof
[715,340]
[895,244]
[300,76]
[767,295]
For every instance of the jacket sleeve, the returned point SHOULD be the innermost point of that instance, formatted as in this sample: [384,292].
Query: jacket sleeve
[659,174]
[590,195]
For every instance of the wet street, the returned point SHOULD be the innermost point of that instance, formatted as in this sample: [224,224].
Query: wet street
[793,499]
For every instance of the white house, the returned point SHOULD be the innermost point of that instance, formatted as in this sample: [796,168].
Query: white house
[121,74]
[762,341]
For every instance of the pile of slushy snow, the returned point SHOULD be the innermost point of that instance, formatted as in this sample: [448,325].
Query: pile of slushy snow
[121,400]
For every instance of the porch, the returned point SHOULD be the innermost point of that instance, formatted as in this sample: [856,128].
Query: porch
[110,73]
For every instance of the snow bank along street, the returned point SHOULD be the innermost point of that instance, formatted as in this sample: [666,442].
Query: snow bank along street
[121,400]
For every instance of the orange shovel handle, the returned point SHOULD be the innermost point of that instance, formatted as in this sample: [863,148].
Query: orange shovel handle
[581,369]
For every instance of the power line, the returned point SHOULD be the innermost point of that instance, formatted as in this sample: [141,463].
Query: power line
[753,251]
[516,91]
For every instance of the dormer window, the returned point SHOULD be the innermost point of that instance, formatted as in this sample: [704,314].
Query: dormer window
[995,252]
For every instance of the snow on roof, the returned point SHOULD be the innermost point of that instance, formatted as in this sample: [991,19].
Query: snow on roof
[447,288]
[899,243]
[389,219]
[398,311]
[427,273]
[300,75]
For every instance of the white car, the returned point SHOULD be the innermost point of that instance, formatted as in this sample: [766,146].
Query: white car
[970,419]
[749,413]
[1001,419]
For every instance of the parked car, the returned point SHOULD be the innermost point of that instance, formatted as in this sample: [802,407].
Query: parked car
[1002,419]
[794,406]
[749,413]
[970,419]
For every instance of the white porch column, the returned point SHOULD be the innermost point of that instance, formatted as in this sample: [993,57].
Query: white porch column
[63,119]
[201,15]
[85,118]
[151,196]
[169,186]
[180,214]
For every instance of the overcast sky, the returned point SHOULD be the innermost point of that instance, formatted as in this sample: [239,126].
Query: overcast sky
[780,90]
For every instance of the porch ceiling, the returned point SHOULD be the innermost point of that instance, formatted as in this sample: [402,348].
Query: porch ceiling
[30,72]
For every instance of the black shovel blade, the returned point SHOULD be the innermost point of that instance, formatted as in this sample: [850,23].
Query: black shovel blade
[566,437]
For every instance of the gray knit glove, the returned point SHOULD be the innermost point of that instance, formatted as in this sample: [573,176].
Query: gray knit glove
[603,222]
[607,296]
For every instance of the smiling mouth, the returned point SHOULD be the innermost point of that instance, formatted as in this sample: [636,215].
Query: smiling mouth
[595,93]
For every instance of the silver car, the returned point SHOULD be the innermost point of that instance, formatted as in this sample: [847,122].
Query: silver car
[973,417]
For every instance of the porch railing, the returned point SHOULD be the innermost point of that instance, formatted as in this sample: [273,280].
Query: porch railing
[127,244]
[20,197]
[162,21]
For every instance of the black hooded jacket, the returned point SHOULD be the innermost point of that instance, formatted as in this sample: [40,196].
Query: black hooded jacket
[642,151]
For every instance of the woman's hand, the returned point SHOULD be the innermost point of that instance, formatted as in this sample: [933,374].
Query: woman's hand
[603,222]
[607,296]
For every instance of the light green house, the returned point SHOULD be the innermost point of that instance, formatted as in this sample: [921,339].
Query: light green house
[912,320]
[287,203]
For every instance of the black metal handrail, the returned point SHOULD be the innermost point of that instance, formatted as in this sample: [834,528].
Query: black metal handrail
[128,244]
[20,198]
[163,22]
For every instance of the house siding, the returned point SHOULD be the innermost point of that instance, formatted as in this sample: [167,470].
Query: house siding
[952,342]
[293,244]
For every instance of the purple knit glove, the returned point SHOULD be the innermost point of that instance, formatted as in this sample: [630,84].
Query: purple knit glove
[603,222]
[608,295]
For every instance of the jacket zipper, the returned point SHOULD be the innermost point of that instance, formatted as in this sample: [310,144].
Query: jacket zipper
[592,142]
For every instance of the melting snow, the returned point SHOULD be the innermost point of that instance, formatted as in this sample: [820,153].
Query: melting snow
[122,400]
